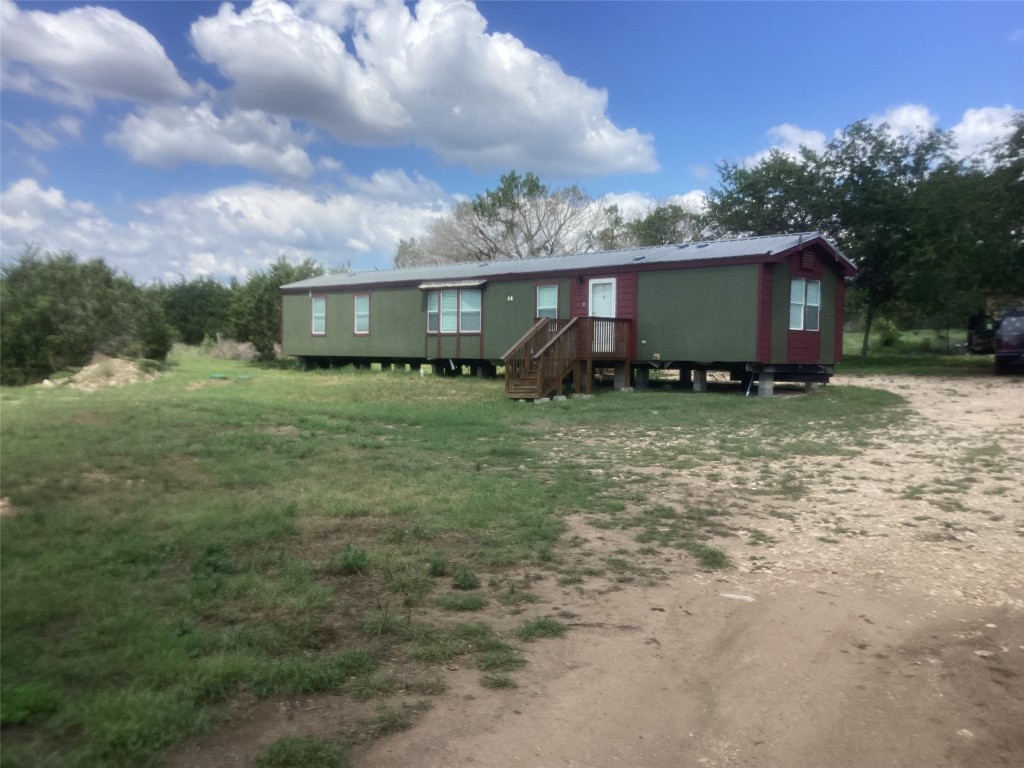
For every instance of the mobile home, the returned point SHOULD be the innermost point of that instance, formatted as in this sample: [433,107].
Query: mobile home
[762,308]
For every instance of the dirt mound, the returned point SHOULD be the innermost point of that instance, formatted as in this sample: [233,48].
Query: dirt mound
[105,372]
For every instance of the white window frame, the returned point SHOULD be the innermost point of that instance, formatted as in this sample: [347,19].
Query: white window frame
[804,305]
[552,309]
[358,315]
[590,297]
[314,300]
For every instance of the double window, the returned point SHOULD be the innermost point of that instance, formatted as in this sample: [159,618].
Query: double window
[361,311]
[319,313]
[547,301]
[804,304]
[454,311]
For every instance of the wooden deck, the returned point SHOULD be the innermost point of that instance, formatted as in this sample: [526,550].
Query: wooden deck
[556,348]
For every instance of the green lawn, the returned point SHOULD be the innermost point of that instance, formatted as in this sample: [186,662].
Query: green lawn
[179,543]
[919,353]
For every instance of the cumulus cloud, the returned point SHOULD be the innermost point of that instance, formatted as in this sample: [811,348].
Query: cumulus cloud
[788,138]
[433,77]
[164,136]
[224,232]
[907,119]
[77,55]
[980,127]
[633,204]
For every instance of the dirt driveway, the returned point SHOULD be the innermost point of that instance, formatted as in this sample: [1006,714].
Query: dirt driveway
[875,619]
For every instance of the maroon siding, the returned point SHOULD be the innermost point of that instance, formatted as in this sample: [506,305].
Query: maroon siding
[840,304]
[804,346]
[625,299]
[764,315]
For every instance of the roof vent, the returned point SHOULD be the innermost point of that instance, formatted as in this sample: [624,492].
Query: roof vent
[683,245]
[703,245]
[639,258]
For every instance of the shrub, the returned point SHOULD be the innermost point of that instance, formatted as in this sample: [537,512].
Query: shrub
[350,560]
[465,579]
[438,564]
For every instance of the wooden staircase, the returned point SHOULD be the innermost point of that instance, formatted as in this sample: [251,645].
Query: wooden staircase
[538,363]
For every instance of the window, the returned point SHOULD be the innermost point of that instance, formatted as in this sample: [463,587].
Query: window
[804,304]
[449,311]
[453,311]
[319,312]
[432,312]
[547,301]
[362,313]
[469,311]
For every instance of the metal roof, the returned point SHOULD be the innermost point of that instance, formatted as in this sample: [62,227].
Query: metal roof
[725,250]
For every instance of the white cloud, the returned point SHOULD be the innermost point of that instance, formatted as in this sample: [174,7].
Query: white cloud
[907,119]
[1017,36]
[79,54]
[224,232]
[395,184]
[329,164]
[39,138]
[165,136]
[695,201]
[979,127]
[633,204]
[788,138]
[33,135]
[435,78]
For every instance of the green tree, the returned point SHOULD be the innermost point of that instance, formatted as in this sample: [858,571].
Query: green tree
[255,309]
[859,192]
[875,176]
[778,195]
[56,312]
[665,224]
[196,308]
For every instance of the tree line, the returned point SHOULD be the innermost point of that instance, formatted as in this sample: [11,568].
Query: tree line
[931,234]
[56,312]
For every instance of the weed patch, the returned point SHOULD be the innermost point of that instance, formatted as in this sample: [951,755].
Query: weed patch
[303,752]
[544,626]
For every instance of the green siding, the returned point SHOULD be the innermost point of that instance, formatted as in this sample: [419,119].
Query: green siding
[706,315]
[398,319]
[397,323]
[505,321]
[827,352]
[780,313]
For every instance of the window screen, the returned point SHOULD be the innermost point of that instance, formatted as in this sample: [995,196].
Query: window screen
[319,315]
[547,301]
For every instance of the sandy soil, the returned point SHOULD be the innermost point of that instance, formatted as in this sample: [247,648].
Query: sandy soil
[878,621]
[885,627]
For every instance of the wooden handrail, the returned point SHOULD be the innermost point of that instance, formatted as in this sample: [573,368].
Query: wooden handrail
[555,338]
[537,364]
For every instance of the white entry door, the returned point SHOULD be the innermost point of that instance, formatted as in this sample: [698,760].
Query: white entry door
[602,304]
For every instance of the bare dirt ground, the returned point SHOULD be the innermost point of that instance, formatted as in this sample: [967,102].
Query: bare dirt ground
[883,627]
[874,616]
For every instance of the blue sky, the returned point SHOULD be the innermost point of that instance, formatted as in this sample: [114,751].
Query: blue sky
[191,138]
